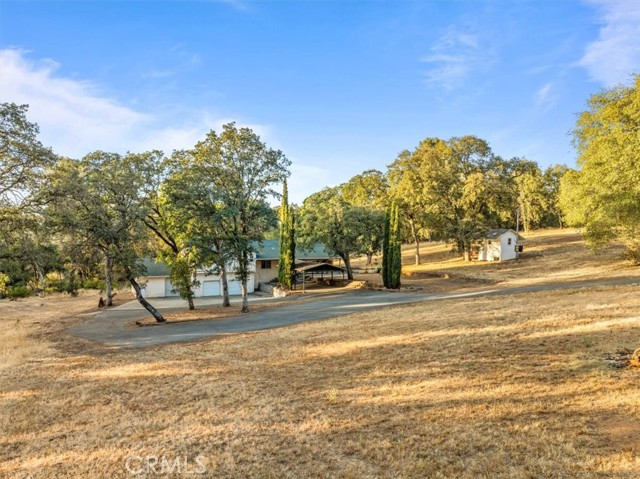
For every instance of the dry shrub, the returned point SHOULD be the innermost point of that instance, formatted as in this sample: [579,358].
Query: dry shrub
[635,359]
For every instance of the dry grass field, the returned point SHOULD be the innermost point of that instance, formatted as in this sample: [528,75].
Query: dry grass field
[550,256]
[490,387]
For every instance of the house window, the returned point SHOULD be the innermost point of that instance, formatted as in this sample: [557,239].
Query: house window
[509,241]
[265,264]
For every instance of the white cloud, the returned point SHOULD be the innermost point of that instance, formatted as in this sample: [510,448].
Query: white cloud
[307,179]
[453,57]
[75,118]
[545,98]
[615,55]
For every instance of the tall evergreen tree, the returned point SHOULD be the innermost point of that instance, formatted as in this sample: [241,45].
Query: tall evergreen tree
[287,245]
[385,249]
[392,254]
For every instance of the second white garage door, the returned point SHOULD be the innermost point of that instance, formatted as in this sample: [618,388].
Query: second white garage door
[211,288]
[234,288]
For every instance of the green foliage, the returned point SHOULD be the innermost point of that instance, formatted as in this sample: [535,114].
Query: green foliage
[4,280]
[18,291]
[286,263]
[344,229]
[603,195]
[368,189]
[100,202]
[454,189]
[392,254]
[22,156]
[240,173]
[93,283]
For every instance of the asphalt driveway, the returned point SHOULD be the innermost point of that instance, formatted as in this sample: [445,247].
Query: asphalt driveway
[113,327]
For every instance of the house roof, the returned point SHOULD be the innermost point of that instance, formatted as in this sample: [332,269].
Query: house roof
[497,233]
[270,249]
[155,269]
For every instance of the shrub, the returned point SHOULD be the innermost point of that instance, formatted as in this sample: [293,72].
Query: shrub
[93,283]
[4,279]
[19,291]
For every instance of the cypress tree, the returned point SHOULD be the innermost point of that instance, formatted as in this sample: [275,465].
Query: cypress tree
[395,248]
[287,249]
[292,245]
[385,249]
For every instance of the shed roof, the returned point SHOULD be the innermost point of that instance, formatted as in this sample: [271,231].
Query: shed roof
[497,233]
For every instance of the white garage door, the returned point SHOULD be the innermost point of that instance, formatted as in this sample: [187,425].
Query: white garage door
[168,289]
[234,287]
[211,288]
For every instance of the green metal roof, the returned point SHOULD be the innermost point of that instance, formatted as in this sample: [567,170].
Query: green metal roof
[270,249]
[155,269]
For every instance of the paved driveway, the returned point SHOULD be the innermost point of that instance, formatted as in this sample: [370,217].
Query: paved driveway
[112,328]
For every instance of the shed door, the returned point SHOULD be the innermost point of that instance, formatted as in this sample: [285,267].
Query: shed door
[168,287]
[211,288]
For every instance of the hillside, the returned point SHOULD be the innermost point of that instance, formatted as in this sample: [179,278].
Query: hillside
[550,256]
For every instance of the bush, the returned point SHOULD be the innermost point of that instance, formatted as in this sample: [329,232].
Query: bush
[19,291]
[93,283]
[62,286]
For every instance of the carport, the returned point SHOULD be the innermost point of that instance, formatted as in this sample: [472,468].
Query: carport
[320,270]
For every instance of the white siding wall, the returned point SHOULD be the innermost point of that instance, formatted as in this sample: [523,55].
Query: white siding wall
[508,251]
[154,288]
[265,275]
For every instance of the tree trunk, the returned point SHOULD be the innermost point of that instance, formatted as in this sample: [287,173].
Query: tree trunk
[41,279]
[190,301]
[369,258]
[108,278]
[225,288]
[347,264]
[416,240]
[466,250]
[153,311]
[245,299]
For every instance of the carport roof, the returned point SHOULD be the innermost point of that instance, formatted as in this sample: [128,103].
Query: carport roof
[318,267]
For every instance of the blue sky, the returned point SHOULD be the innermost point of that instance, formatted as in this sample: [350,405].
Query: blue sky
[340,87]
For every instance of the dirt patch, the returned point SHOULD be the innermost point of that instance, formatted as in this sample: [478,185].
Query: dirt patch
[622,358]
[620,433]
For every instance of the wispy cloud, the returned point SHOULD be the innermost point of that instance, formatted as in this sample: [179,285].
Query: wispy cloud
[75,117]
[305,179]
[453,57]
[615,55]
[545,98]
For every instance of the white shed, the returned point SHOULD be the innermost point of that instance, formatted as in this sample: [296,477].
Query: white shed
[500,245]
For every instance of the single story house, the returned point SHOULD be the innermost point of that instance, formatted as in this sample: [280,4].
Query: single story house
[500,245]
[268,255]
[263,269]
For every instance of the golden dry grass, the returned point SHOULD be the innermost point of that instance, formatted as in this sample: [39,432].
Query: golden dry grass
[550,256]
[494,387]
